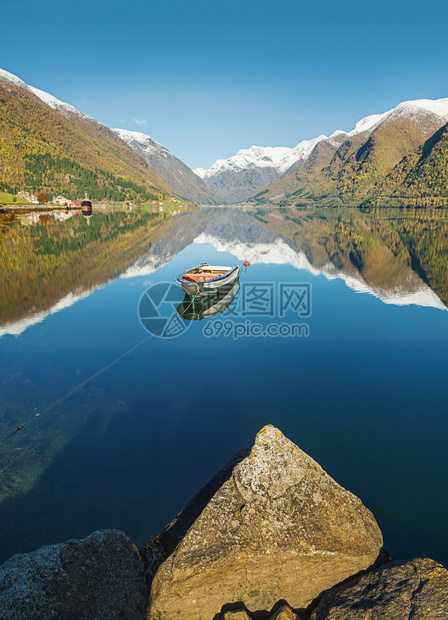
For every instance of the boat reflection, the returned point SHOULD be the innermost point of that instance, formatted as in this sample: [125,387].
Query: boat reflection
[204,306]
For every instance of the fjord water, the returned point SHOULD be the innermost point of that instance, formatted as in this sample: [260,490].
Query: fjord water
[363,393]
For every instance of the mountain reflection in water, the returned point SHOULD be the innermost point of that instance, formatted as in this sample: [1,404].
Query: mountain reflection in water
[363,394]
[400,257]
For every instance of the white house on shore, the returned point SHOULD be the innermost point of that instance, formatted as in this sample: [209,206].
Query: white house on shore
[60,200]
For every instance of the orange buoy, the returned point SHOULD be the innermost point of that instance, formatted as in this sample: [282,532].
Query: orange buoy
[246,263]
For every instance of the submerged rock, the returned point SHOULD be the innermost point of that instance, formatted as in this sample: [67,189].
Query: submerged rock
[100,577]
[417,589]
[277,528]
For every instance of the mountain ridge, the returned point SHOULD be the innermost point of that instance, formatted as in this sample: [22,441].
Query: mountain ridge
[354,172]
[50,146]
[177,175]
[236,178]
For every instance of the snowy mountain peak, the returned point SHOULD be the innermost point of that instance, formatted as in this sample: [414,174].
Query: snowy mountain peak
[178,176]
[338,133]
[54,103]
[200,172]
[435,106]
[50,100]
[146,142]
[439,107]
[10,77]
[279,158]
[368,122]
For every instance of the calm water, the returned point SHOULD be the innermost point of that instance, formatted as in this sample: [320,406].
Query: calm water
[364,393]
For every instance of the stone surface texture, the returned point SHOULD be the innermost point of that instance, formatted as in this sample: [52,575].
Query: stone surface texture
[417,590]
[99,577]
[239,614]
[284,613]
[279,528]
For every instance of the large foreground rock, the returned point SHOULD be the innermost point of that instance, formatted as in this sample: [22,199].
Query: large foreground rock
[100,577]
[278,528]
[416,590]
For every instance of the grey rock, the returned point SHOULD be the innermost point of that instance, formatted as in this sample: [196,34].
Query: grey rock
[417,590]
[99,577]
[278,528]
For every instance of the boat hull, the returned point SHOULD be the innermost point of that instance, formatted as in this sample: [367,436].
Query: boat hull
[206,305]
[209,286]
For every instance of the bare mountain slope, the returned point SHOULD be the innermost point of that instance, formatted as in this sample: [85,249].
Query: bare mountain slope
[179,177]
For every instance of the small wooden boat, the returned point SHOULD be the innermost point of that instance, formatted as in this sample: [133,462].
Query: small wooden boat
[207,278]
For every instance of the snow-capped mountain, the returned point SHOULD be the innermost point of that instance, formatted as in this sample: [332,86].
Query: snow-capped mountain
[241,176]
[438,107]
[179,177]
[280,158]
[10,77]
[56,104]
[51,100]
[64,131]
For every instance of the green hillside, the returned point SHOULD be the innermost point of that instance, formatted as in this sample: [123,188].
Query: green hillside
[403,158]
[43,150]
[421,178]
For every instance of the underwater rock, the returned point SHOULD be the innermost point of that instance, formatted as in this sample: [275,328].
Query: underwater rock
[97,578]
[278,528]
[416,589]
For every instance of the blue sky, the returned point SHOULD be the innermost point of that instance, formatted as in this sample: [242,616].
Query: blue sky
[209,78]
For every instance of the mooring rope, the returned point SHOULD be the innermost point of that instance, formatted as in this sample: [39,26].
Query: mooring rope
[81,385]
[78,387]
[74,390]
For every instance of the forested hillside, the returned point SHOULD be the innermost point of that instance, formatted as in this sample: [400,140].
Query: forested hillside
[42,149]
[401,162]
[421,178]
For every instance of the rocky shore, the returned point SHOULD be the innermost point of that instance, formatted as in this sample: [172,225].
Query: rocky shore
[270,537]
